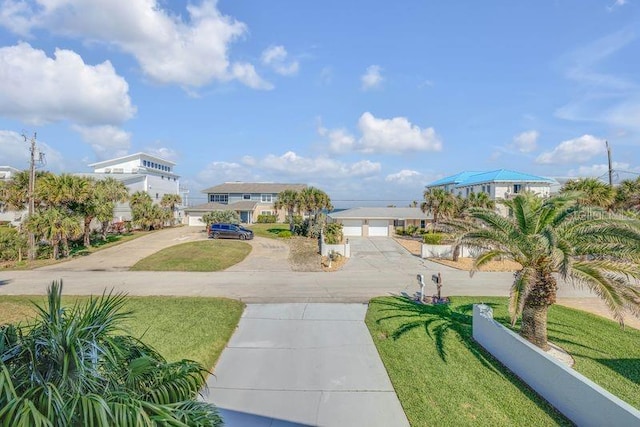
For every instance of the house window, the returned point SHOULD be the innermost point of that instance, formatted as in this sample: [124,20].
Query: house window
[488,189]
[157,196]
[246,197]
[219,198]
[517,188]
[423,224]
[467,192]
[266,213]
[266,198]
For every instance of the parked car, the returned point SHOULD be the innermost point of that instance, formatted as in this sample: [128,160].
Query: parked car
[229,231]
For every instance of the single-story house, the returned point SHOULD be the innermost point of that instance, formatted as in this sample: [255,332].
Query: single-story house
[248,199]
[375,221]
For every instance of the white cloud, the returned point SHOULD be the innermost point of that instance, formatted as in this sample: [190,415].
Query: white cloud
[406,177]
[163,152]
[574,150]
[526,142]
[37,89]
[340,140]
[292,164]
[169,48]
[372,78]
[598,170]
[14,152]
[219,172]
[395,136]
[106,141]
[276,58]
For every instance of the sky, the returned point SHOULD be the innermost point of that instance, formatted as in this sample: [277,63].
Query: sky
[366,100]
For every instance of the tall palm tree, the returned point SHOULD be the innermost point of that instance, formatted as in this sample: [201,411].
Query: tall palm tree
[288,200]
[169,202]
[75,366]
[440,203]
[56,226]
[628,194]
[593,192]
[109,192]
[559,236]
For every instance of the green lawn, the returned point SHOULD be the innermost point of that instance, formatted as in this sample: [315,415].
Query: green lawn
[205,255]
[443,378]
[268,230]
[179,328]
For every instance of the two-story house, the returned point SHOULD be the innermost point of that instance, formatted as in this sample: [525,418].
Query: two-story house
[498,184]
[247,199]
[138,172]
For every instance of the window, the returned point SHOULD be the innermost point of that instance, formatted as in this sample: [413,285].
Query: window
[266,198]
[423,224]
[467,192]
[246,197]
[488,189]
[144,163]
[220,198]
[266,213]
[517,188]
[157,196]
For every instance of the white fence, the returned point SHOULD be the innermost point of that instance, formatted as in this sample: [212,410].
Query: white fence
[343,249]
[578,398]
[443,251]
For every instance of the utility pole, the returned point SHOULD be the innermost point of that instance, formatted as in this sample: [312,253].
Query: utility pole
[610,168]
[31,190]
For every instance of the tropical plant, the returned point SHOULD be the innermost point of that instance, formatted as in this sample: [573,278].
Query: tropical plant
[56,226]
[288,200]
[592,192]
[440,203]
[628,195]
[76,366]
[215,217]
[585,247]
[169,202]
[109,192]
[333,233]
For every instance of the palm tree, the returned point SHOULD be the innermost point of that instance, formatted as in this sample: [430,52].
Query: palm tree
[559,236]
[440,203]
[593,192]
[75,366]
[479,200]
[628,194]
[109,192]
[290,201]
[56,226]
[169,202]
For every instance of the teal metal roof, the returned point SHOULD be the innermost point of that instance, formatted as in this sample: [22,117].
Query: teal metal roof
[500,175]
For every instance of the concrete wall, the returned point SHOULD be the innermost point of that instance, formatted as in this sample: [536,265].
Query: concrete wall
[343,249]
[442,251]
[578,398]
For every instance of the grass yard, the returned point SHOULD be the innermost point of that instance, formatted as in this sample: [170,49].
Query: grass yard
[443,378]
[179,328]
[268,230]
[205,255]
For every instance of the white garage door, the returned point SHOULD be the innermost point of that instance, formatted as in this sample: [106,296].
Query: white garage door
[378,227]
[195,220]
[352,227]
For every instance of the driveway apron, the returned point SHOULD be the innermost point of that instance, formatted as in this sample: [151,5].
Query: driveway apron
[303,365]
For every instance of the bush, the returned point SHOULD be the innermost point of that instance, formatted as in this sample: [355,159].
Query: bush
[11,244]
[333,233]
[434,238]
[215,217]
[267,219]
[285,234]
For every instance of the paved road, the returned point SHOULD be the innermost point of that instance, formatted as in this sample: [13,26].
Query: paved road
[304,364]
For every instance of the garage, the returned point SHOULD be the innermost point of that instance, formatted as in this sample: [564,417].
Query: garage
[378,228]
[195,220]
[352,227]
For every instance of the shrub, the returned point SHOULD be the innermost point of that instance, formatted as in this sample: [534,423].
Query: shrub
[434,238]
[267,219]
[11,244]
[285,234]
[333,233]
[221,216]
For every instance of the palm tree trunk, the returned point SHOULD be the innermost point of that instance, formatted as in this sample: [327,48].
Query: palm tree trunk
[87,231]
[534,325]
[536,306]
[456,253]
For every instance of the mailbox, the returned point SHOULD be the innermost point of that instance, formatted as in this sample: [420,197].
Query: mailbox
[420,278]
[435,278]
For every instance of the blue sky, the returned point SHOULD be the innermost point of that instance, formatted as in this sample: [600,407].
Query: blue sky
[367,100]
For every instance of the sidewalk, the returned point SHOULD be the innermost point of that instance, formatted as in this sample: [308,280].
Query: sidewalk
[303,365]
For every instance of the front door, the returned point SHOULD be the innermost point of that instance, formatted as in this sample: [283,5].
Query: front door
[244,217]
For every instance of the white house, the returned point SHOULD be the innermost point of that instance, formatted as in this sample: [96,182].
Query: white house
[14,217]
[499,184]
[139,172]
[377,221]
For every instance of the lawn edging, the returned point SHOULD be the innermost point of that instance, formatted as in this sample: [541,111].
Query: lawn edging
[577,397]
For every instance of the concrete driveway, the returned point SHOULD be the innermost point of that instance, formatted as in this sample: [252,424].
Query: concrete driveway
[303,365]
[385,254]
